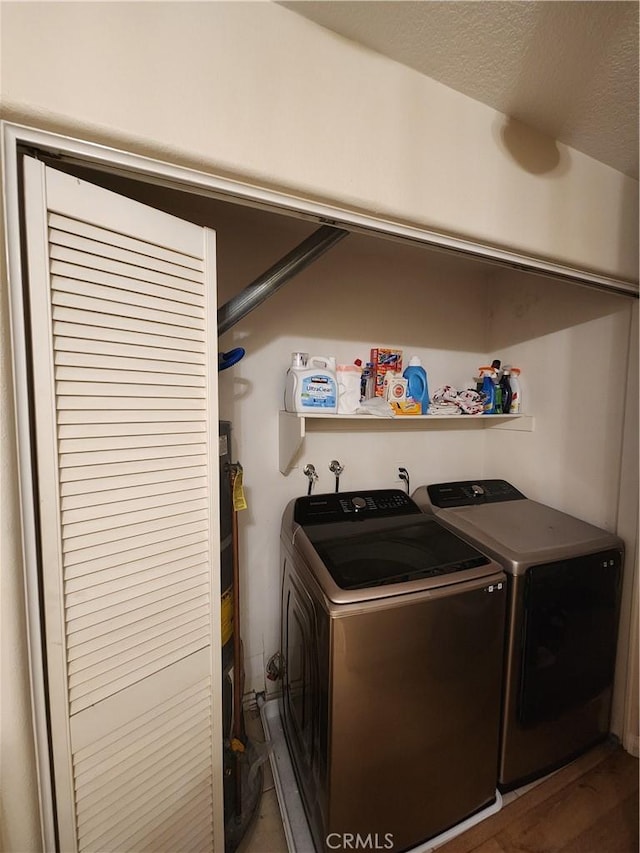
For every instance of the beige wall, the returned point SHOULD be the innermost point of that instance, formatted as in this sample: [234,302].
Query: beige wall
[250,90]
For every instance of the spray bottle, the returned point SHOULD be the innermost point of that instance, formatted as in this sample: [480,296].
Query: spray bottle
[516,391]
[367,382]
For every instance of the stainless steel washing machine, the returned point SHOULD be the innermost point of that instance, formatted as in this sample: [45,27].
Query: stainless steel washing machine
[392,643]
[564,581]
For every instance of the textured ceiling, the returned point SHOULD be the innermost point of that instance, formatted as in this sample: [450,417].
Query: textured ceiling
[568,69]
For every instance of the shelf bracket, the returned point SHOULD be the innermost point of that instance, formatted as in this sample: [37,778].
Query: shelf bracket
[291,431]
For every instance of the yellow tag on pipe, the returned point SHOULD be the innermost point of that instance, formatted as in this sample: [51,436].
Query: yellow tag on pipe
[239,501]
[226,615]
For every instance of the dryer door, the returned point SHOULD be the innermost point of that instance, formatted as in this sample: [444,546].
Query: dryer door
[570,634]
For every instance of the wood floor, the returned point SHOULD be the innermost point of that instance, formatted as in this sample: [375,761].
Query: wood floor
[591,806]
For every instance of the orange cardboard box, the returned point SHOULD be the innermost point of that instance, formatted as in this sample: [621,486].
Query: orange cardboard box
[384,359]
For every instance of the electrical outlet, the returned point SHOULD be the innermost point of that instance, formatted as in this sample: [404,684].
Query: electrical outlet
[396,471]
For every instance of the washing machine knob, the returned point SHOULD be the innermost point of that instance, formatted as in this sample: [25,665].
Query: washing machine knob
[358,504]
[477,491]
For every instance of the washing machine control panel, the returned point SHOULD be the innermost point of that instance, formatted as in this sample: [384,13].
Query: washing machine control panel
[470,492]
[341,506]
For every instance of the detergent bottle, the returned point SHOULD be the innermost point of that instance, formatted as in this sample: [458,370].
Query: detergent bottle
[311,384]
[488,388]
[417,386]
[395,387]
[507,393]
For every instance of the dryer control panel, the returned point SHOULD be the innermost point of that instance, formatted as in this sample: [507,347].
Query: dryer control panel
[342,506]
[470,492]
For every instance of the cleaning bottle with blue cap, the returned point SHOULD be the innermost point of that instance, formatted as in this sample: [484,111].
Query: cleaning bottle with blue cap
[417,386]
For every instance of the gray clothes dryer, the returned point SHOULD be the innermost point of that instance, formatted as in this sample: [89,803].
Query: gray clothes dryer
[564,582]
[392,641]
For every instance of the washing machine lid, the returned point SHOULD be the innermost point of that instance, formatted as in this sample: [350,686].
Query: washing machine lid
[381,538]
[376,553]
[518,532]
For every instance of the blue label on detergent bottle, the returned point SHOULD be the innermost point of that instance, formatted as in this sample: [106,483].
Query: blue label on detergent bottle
[318,392]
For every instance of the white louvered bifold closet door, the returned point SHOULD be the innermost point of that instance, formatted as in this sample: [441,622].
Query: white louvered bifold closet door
[124,359]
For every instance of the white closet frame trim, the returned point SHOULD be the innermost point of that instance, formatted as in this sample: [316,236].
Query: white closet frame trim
[120,162]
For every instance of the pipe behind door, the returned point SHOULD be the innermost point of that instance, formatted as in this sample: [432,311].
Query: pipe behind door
[265,285]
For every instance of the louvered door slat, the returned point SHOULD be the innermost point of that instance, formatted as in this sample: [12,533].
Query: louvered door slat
[123,316]
[140,465]
[152,627]
[149,342]
[100,415]
[91,612]
[162,575]
[92,752]
[133,622]
[112,552]
[119,303]
[158,438]
[141,450]
[109,682]
[165,404]
[191,836]
[85,534]
[164,561]
[102,517]
[99,514]
[128,375]
[135,596]
[170,835]
[68,357]
[100,268]
[133,651]
[146,799]
[73,228]
[105,316]
[132,428]
[107,801]
[103,490]
[70,348]
[104,800]
[174,540]
[195,842]
[145,294]
[122,522]
[136,609]
[119,391]
[69,247]
[133,838]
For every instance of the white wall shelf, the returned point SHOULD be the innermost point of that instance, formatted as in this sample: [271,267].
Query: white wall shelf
[293,427]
